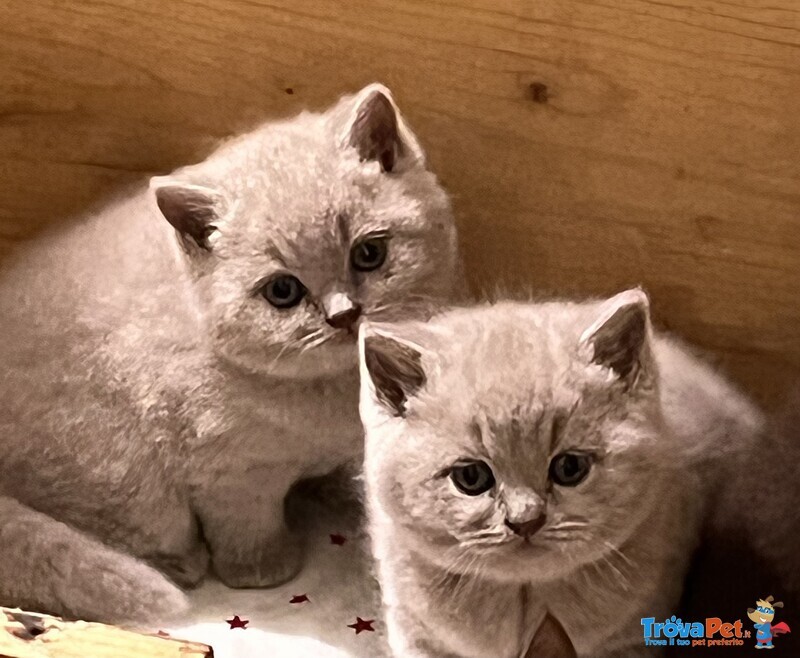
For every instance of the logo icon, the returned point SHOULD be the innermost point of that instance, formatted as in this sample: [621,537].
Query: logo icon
[762,617]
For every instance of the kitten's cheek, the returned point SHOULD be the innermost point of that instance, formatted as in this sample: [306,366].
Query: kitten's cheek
[475,512]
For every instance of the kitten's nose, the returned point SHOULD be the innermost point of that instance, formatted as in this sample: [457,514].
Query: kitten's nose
[342,312]
[345,319]
[527,528]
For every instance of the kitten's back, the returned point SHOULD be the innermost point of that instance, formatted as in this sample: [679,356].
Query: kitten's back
[105,266]
[707,412]
[91,311]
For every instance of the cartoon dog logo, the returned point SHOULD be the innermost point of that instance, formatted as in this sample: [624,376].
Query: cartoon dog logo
[762,617]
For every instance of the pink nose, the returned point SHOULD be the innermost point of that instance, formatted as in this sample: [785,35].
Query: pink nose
[527,528]
[345,319]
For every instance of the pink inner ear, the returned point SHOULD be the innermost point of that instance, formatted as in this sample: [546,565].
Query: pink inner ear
[190,211]
[619,341]
[395,369]
[374,133]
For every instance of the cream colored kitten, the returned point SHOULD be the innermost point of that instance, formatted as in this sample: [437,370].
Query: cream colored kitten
[537,461]
[164,381]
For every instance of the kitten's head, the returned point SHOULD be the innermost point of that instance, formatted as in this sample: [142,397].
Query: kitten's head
[297,231]
[514,440]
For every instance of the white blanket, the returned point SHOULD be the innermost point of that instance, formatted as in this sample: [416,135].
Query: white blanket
[338,581]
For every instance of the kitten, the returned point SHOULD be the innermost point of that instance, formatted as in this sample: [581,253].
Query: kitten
[533,469]
[167,380]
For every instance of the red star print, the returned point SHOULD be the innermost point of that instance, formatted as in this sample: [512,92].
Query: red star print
[237,622]
[338,540]
[299,598]
[362,625]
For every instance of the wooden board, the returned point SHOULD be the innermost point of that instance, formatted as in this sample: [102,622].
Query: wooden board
[589,144]
[31,635]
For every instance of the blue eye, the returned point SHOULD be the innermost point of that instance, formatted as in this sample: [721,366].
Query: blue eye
[284,291]
[369,254]
[473,478]
[569,469]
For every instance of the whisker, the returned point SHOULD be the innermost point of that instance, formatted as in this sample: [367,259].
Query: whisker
[618,553]
[320,340]
[412,302]
[567,526]
[280,354]
[452,571]
[566,536]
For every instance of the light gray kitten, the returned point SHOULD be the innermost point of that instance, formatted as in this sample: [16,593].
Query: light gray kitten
[167,380]
[532,475]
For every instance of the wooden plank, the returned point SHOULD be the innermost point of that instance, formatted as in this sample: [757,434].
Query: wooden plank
[589,144]
[32,635]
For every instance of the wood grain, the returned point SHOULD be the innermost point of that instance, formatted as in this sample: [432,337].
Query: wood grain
[32,635]
[589,144]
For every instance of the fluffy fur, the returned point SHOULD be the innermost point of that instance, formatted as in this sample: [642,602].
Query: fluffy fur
[515,385]
[151,395]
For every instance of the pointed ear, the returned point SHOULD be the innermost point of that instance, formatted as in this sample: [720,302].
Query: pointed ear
[376,129]
[619,338]
[192,210]
[392,369]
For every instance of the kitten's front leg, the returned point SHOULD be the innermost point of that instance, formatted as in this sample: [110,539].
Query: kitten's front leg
[409,638]
[433,614]
[242,516]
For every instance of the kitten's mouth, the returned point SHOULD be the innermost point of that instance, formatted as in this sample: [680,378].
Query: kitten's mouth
[349,335]
[525,545]
[530,544]
[341,337]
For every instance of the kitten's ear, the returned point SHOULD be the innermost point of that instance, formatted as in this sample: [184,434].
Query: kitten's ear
[619,338]
[391,370]
[377,130]
[192,210]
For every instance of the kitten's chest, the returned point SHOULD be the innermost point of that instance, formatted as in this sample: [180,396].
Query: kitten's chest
[315,423]
[458,615]
[602,605]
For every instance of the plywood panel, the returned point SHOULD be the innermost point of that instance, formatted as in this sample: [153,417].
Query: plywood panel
[589,144]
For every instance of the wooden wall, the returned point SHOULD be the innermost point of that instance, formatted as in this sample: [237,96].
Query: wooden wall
[589,144]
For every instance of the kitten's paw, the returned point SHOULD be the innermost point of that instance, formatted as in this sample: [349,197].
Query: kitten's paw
[276,564]
[126,592]
[185,570]
[160,604]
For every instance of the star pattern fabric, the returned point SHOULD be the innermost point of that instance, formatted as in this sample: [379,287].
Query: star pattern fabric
[238,622]
[361,625]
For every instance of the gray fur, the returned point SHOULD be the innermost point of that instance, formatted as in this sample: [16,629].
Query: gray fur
[514,385]
[148,390]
